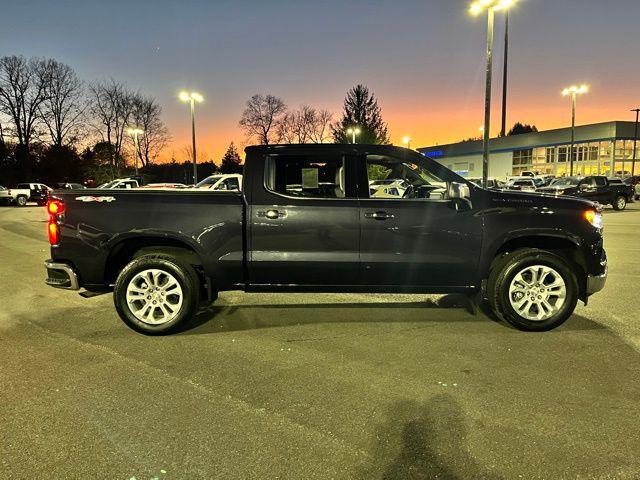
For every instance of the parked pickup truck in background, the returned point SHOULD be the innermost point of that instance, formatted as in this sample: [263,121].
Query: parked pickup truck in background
[606,191]
[15,196]
[305,221]
[38,192]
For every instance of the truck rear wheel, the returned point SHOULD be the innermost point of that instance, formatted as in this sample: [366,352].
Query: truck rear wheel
[534,290]
[21,201]
[156,294]
[620,203]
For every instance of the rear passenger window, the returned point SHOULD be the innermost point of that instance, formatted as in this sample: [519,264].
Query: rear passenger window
[601,182]
[306,176]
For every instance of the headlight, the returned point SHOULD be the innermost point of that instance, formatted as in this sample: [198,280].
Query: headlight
[559,192]
[594,218]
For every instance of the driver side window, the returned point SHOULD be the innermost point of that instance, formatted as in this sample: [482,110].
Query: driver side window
[392,178]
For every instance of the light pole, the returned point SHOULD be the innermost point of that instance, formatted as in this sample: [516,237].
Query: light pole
[574,91]
[353,131]
[407,141]
[192,98]
[503,129]
[476,9]
[134,132]
[635,143]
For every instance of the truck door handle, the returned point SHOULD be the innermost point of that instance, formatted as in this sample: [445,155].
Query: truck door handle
[380,215]
[272,214]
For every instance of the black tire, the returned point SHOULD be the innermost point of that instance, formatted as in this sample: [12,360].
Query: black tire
[504,271]
[21,201]
[620,202]
[181,271]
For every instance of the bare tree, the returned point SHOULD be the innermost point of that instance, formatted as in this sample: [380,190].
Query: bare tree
[305,125]
[322,127]
[63,107]
[111,107]
[146,115]
[22,92]
[261,116]
[286,128]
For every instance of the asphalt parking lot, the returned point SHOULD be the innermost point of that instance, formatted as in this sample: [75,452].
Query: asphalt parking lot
[315,386]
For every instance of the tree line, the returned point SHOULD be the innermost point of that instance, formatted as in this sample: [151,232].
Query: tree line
[266,119]
[57,127]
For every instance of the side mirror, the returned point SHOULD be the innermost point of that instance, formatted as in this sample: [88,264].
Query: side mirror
[458,190]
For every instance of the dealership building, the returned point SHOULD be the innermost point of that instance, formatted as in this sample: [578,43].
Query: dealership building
[599,149]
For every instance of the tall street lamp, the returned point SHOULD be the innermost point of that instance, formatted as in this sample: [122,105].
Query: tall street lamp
[477,8]
[134,132]
[353,131]
[635,143]
[574,91]
[407,141]
[503,129]
[191,99]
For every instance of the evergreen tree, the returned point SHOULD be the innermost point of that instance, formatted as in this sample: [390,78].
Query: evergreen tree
[361,110]
[520,128]
[231,161]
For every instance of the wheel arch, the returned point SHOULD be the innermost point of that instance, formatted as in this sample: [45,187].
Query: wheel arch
[568,247]
[125,250]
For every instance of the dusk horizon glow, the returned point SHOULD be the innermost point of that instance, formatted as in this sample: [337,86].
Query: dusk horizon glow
[424,61]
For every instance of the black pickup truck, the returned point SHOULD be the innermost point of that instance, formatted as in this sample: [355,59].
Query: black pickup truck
[311,219]
[600,189]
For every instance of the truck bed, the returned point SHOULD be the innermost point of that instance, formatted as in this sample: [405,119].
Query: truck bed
[99,226]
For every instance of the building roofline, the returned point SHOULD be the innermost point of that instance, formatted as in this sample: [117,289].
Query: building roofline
[595,132]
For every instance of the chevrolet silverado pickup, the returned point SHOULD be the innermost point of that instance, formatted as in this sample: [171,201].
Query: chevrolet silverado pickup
[306,221]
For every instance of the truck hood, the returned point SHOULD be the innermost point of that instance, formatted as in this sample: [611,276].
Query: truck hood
[540,199]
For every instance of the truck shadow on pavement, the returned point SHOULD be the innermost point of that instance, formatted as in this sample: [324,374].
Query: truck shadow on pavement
[453,308]
[423,441]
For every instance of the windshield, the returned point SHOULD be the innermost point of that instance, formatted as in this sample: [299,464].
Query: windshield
[108,184]
[565,182]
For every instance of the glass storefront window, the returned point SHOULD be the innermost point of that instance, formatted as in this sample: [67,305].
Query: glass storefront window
[589,158]
[550,155]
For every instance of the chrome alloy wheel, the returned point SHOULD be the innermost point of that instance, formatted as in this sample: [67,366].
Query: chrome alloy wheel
[154,296]
[537,292]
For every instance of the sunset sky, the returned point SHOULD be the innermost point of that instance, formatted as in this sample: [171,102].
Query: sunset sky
[424,60]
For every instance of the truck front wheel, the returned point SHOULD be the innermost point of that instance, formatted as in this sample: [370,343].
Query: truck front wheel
[620,203]
[155,294]
[534,290]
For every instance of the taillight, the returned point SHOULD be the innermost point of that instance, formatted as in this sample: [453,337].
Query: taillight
[54,208]
[54,231]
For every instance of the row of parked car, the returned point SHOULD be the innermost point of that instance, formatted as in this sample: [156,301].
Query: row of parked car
[617,192]
[39,192]
[221,181]
[32,192]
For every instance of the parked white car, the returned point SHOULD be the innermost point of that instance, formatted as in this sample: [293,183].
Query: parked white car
[393,188]
[4,195]
[120,183]
[228,181]
[525,184]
